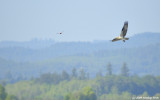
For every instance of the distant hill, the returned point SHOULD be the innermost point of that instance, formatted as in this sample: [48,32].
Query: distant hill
[42,49]
[141,53]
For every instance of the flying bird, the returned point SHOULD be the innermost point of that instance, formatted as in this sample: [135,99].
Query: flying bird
[123,33]
[60,32]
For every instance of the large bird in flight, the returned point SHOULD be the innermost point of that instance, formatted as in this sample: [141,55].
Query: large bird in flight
[123,33]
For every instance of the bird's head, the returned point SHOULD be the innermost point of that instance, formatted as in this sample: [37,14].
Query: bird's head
[126,22]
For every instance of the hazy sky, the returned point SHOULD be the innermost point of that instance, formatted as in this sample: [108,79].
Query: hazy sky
[81,20]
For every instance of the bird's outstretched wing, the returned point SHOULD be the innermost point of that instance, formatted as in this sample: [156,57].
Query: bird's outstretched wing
[124,29]
[116,39]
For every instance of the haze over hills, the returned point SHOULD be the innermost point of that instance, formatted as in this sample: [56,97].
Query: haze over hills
[142,39]
[141,53]
[45,49]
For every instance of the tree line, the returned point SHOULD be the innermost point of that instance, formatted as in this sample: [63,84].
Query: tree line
[120,83]
[78,85]
[55,78]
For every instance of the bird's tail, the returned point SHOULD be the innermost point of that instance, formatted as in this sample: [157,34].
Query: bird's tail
[126,38]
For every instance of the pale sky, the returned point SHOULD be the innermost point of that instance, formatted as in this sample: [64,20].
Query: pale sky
[81,20]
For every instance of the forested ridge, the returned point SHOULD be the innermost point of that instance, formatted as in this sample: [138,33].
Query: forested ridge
[80,86]
[142,61]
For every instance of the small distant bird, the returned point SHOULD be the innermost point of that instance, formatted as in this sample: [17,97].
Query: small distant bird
[60,32]
[123,33]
